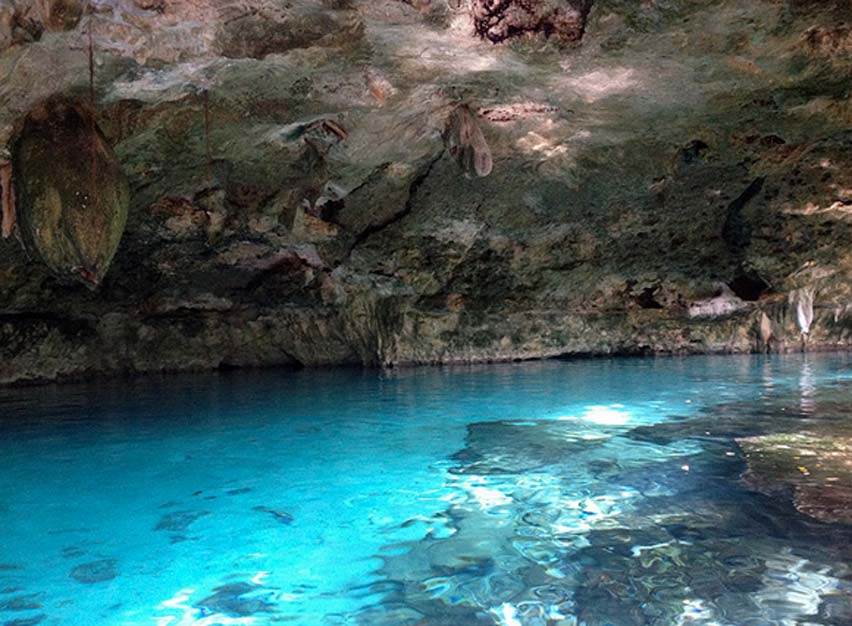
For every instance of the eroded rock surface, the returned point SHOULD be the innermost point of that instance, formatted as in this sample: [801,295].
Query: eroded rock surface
[663,175]
[502,20]
[72,196]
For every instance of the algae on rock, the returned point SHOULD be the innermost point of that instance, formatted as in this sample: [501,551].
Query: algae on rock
[72,195]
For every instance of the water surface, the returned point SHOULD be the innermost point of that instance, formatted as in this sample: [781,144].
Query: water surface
[539,494]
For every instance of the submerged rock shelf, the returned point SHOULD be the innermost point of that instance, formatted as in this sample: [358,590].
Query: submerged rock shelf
[387,182]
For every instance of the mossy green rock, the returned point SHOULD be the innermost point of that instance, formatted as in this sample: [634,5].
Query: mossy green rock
[72,195]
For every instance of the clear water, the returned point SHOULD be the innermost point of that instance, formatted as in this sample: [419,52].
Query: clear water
[544,494]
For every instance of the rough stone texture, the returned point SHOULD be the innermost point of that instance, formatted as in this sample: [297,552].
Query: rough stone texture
[73,197]
[501,20]
[668,183]
[23,21]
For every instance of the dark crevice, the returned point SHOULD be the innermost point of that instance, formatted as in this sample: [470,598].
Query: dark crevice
[694,152]
[647,300]
[748,286]
[69,326]
[736,232]
[396,217]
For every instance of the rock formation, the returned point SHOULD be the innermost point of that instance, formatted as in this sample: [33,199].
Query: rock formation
[293,200]
[73,195]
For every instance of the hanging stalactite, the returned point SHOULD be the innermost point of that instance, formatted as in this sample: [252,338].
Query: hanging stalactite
[766,335]
[466,143]
[71,211]
[7,195]
[208,148]
[804,301]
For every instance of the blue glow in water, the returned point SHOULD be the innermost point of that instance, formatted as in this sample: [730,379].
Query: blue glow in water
[309,498]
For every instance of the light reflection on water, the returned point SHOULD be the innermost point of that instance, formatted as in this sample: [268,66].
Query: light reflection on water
[544,494]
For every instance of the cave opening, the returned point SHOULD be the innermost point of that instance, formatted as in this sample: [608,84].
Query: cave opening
[749,286]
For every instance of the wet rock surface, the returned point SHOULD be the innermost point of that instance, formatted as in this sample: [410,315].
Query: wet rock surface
[818,467]
[663,177]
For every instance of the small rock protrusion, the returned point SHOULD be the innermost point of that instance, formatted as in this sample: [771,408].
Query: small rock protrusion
[561,20]
[7,197]
[765,331]
[467,144]
[59,15]
[379,86]
[158,6]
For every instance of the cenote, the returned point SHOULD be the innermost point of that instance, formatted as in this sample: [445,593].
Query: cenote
[699,490]
[425,313]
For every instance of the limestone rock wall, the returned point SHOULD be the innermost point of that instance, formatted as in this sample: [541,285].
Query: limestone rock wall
[672,176]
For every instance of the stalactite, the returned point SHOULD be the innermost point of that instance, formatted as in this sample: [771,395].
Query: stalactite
[805,309]
[466,143]
[765,331]
[71,211]
[208,150]
[91,51]
[93,146]
[8,198]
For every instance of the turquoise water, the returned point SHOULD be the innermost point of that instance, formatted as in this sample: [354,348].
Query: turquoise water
[539,494]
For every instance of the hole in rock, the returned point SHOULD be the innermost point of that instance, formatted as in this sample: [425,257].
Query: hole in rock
[694,151]
[646,299]
[748,286]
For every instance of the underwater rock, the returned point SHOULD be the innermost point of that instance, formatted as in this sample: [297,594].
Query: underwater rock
[72,195]
[282,516]
[237,600]
[72,552]
[27,621]
[95,572]
[22,603]
[179,521]
[509,447]
[817,467]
